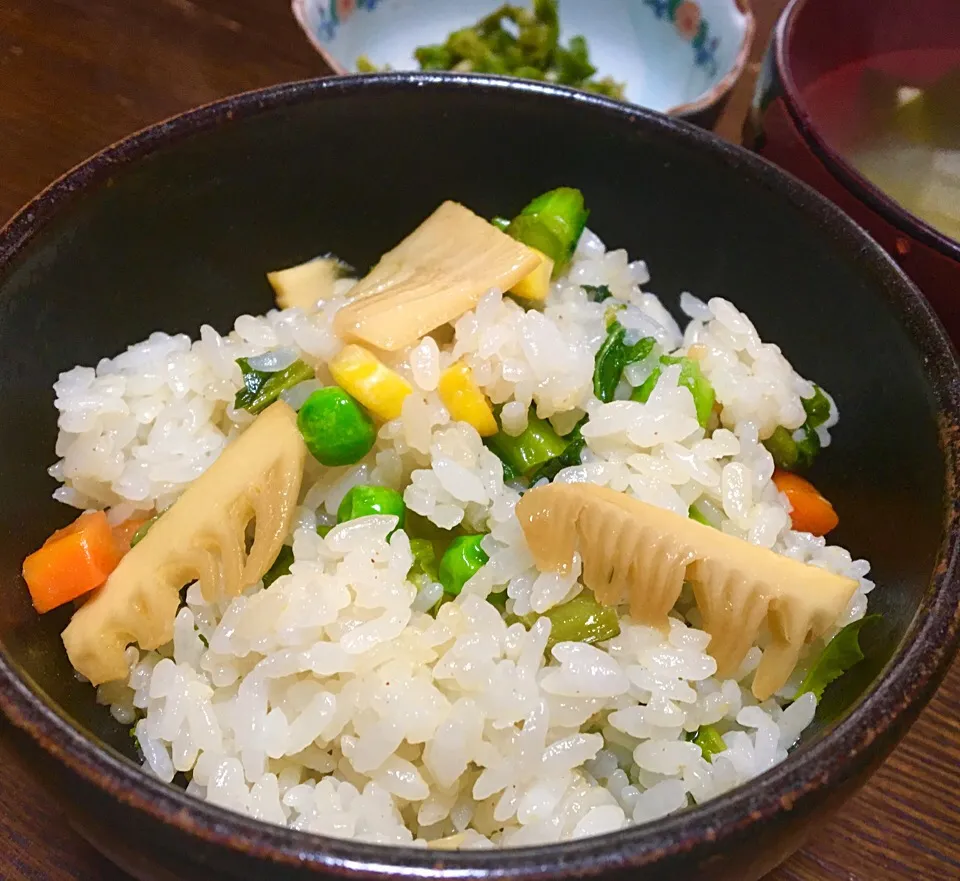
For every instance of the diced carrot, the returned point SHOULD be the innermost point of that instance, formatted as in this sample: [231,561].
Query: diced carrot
[811,512]
[72,562]
[123,533]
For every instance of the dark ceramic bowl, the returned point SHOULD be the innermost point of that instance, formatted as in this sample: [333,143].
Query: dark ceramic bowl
[815,38]
[174,227]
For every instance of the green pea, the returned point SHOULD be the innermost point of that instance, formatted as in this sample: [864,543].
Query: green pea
[364,501]
[462,560]
[335,428]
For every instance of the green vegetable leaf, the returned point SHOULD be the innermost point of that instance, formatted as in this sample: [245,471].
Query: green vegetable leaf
[281,566]
[569,457]
[840,655]
[817,408]
[261,389]
[597,292]
[691,377]
[613,357]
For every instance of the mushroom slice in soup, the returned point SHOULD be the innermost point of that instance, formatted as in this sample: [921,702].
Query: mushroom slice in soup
[638,554]
[201,537]
[432,277]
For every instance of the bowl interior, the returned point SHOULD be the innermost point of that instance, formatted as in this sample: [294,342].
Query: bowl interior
[668,56]
[183,236]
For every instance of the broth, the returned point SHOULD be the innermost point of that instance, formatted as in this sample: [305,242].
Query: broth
[896,119]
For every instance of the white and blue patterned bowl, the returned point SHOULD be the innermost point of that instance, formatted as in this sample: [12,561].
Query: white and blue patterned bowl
[680,57]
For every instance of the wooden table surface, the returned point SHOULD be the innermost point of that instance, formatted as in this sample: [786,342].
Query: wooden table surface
[77,74]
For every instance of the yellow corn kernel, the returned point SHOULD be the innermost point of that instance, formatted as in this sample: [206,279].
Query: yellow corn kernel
[463,398]
[362,374]
[536,285]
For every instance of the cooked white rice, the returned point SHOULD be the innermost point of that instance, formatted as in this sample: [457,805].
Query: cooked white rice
[334,702]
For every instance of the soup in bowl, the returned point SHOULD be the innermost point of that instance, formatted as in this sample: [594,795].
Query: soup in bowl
[861,101]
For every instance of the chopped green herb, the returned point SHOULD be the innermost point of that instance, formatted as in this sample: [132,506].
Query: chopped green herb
[709,741]
[261,388]
[281,566]
[519,42]
[323,529]
[839,655]
[691,378]
[597,292]
[203,640]
[613,357]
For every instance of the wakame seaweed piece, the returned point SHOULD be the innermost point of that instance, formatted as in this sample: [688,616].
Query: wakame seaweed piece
[614,355]
[839,656]
[597,292]
[261,388]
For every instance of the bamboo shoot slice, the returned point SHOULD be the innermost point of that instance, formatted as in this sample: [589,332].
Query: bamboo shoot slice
[640,554]
[437,273]
[202,536]
[306,284]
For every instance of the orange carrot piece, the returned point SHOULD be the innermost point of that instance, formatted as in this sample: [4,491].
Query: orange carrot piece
[72,562]
[811,512]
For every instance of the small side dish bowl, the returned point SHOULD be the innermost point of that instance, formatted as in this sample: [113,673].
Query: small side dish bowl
[173,228]
[681,57]
[814,92]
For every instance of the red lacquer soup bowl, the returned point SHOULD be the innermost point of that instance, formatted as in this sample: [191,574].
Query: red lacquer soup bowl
[813,99]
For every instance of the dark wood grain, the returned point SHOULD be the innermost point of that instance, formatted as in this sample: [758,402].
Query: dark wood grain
[77,74]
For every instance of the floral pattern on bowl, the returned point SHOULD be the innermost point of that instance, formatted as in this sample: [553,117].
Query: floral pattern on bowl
[677,56]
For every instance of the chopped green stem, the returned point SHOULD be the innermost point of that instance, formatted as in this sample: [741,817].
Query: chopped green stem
[571,456]
[582,619]
[261,389]
[552,223]
[783,448]
[694,514]
[462,560]
[536,445]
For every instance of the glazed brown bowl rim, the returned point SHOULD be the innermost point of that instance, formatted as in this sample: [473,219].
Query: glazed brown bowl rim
[877,720]
[871,195]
